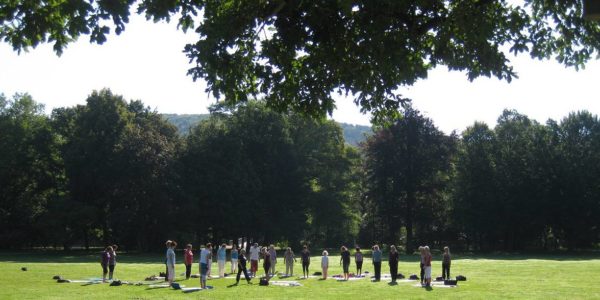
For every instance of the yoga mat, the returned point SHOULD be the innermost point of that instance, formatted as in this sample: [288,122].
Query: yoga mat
[406,280]
[349,279]
[436,285]
[285,283]
[191,289]
[156,286]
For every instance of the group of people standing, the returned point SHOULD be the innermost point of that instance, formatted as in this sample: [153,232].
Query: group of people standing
[426,258]
[108,261]
[269,262]
[393,259]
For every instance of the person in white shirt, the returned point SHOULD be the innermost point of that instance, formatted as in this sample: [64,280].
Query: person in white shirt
[221,258]
[325,263]
[205,255]
[171,260]
[273,255]
[254,258]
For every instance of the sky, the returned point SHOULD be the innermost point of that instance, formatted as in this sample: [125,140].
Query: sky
[146,63]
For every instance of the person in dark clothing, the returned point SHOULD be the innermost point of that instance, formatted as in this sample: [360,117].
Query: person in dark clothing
[266,261]
[345,261]
[242,267]
[358,259]
[305,261]
[422,265]
[105,258]
[112,262]
[446,264]
[393,262]
[377,262]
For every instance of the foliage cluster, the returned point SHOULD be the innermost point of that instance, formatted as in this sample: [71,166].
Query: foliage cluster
[113,171]
[297,54]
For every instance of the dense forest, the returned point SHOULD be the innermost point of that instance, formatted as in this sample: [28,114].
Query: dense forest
[114,171]
[353,134]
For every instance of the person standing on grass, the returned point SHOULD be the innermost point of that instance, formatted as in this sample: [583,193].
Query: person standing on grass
[345,261]
[325,263]
[205,255]
[254,258]
[273,255]
[393,262]
[221,259]
[241,261]
[289,259]
[234,259]
[305,261]
[377,262]
[210,259]
[104,259]
[112,262]
[266,261]
[427,266]
[358,259]
[446,264]
[171,260]
[188,255]
[422,263]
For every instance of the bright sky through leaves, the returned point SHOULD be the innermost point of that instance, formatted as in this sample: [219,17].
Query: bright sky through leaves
[146,62]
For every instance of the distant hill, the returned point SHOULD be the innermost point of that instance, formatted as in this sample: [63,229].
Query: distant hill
[185,122]
[353,134]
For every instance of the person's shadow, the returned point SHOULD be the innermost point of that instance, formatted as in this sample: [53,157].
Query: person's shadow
[233,284]
[392,283]
[429,288]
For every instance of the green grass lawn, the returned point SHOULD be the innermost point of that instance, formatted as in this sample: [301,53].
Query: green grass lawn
[504,277]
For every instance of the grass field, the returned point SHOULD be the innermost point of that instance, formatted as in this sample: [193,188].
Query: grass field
[489,277]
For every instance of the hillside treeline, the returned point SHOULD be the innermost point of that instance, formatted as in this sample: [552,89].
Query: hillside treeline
[114,171]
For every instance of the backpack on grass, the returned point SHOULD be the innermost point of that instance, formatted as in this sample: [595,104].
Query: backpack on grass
[450,282]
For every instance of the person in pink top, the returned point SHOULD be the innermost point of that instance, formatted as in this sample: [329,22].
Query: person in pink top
[188,259]
[427,265]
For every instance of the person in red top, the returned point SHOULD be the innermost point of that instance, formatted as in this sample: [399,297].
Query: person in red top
[188,259]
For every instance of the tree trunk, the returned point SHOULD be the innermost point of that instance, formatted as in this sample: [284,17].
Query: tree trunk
[409,222]
[86,239]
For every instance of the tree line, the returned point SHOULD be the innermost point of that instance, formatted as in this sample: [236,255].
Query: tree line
[114,171]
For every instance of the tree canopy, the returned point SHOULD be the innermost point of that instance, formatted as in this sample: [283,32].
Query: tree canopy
[296,54]
[114,171]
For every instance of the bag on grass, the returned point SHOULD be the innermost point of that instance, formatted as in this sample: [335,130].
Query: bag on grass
[439,278]
[449,282]
[413,277]
[263,281]
[116,283]
[401,276]
[461,278]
